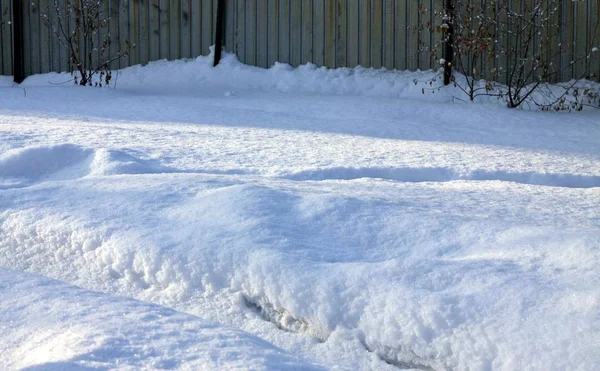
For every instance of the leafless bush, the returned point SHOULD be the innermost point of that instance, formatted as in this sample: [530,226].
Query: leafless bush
[77,24]
[511,53]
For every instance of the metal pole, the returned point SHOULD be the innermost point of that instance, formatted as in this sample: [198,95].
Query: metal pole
[219,31]
[17,23]
[448,53]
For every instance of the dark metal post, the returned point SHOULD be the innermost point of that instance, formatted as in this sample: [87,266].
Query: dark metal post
[219,31]
[17,23]
[448,52]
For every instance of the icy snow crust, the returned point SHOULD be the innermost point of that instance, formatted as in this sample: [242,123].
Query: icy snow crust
[339,215]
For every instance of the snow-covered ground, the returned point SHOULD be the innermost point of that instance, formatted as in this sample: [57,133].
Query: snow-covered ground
[293,218]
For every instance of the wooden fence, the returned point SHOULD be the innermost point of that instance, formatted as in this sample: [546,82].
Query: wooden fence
[335,33]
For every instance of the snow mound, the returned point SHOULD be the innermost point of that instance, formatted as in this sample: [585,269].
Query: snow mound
[30,165]
[444,174]
[63,327]
[416,279]
[193,75]
[110,162]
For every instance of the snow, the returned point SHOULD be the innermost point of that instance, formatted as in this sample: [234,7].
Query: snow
[59,326]
[340,215]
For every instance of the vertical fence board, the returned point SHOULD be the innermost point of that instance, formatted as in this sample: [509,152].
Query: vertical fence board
[53,41]
[113,31]
[124,37]
[240,30]
[353,34]
[296,32]
[307,31]
[319,32]
[262,47]
[207,23]
[229,23]
[330,40]
[134,58]
[388,34]
[154,30]
[376,33]
[399,35]
[186,39]
[414,35]
[45,43]
[164,20]
[34,37]
[594,37]
[364,26]
[250,32]
[341,36]
[425,34]
[284,31]
[6,38]
[196,28]
[273,32]
[143,32]
[175,30]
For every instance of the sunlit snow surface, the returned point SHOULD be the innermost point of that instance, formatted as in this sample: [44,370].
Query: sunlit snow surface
[284,218]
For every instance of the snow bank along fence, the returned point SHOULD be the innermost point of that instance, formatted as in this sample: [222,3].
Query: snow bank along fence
[335,33]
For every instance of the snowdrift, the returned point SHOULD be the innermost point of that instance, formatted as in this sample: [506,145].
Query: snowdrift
[310,208]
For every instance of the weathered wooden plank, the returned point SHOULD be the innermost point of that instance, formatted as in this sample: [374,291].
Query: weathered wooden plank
[284,31]
[425,35]
[319,32]
[215,4]
[164,47]
[103,35]
[414,35]
[353,34]
[186,37]
[296,32]
[365,33]
[144,39]
[6,39]
[34,38]
[436,43]
[134,32]
[45,41]
[240,31]
[154,30]
[175,30]
[581,44]
[307,31]
[400,36]
[272,32]
[124,37]
[196,28]
[388,34]
[113,31]
[341,29]
[330,29]
[262,34]
[250,32]
[376,33]
[594,14]
[207,24]
[229,25]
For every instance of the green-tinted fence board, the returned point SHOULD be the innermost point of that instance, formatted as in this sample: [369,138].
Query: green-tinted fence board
[6,39]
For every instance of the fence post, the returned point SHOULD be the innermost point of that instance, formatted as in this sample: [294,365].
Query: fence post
[448,50]
[17,24]
[219,32]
